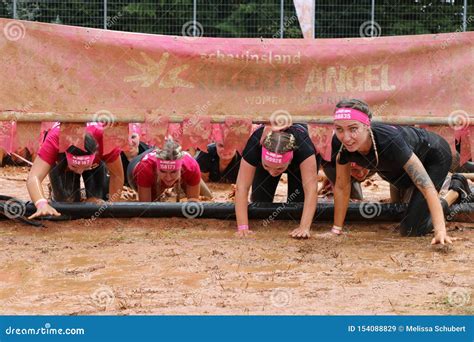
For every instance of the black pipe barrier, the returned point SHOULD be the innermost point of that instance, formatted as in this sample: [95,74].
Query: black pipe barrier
[226,211]
[361,211]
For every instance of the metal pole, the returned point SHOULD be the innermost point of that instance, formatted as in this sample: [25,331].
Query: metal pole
[464,17]
[15,15]
[282,2]
[220,118]
[372,18]
[314,19]
[105,14]
[194,17]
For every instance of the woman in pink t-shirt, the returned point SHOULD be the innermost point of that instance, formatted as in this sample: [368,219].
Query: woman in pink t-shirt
[156,170]
[66,169]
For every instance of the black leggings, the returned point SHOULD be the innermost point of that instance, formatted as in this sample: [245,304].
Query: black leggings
[66,185]
[417,218]
[264,186]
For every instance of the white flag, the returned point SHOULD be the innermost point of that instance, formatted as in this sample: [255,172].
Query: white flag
[305,12]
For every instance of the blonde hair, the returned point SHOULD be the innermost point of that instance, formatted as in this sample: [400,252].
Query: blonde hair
[279,142]
[171,150]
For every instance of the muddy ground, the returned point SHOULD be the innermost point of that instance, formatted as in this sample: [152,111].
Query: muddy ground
[179,266]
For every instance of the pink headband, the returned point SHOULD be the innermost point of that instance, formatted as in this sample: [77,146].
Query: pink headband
[134,128]
[73,160]
[169,165]
[351,114]
[276,158]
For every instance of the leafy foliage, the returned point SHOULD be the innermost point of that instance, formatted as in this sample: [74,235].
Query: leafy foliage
[248,18]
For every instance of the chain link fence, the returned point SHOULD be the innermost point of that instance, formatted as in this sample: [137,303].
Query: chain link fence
[263,18]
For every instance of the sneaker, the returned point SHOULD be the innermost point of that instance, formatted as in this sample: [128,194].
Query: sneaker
[460,185]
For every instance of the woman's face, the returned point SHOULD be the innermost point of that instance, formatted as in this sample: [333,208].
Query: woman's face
[134,140]
[223,154]
[353,134]
[169,177]
[274,169]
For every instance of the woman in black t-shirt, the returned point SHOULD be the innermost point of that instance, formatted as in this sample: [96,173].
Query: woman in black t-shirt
[263,163]
[406,157]
[218,165]
[135,148]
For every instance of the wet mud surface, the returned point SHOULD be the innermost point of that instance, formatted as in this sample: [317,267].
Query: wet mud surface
[180,266]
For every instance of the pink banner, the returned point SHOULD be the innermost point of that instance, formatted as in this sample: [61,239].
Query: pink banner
[28,134]
[321,136]
[471,134]
[197,132]
[75,70]
[463,138]
[175,131]
[236,133]
[7,133]
[71,134]
[217,134]
[466,149]
[154,131]
[116,135]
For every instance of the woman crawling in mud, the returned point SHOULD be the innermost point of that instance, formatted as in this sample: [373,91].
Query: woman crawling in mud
[158,169]
[413,160]
[101,173]
[265,158]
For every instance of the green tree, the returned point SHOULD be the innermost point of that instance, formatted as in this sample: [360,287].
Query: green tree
[248,18]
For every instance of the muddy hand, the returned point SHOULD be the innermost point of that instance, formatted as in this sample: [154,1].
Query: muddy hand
[441,238]
[300,233]
[244,233]
[47,210]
